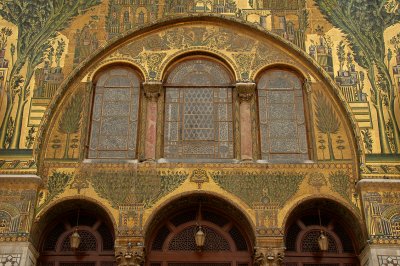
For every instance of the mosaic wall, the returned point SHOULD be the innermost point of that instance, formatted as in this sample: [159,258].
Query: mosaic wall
[356,43]
[30,77]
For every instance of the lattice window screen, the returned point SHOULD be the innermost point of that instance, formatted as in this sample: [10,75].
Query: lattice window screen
[88,242]
[184,241]
[115,115]
[198,117]
[282,119]
[309,242]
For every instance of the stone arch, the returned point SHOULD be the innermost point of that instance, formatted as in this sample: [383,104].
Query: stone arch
[335,207]
[292,67]
[64,205]
[182,54]
[186,199]
[250,29]
[91,76]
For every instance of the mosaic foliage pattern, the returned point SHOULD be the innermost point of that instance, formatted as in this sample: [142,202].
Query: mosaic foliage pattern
[251,187]
[144,187]
[37,31]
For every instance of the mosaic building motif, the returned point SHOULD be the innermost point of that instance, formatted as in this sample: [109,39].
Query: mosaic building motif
[16,212]
[383,217]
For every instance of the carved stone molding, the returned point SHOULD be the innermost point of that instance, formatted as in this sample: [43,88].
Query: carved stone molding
[130,256]
[307,86]
[152,90]
[245,91]
[268,256]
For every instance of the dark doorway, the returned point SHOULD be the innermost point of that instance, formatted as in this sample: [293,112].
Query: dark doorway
[302,235]
[96,246]
[173,242]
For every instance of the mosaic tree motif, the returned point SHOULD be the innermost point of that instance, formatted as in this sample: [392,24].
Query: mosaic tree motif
[71,120]
[327,121]
[363,24]
[38,24]
[281,114]
[198,120]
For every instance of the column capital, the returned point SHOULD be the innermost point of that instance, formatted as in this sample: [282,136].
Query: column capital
[130,255]
[152,90]
[265,256]
[245,90]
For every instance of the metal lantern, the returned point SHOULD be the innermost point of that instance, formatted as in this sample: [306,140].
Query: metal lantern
[323,242]
[200,238]
[75,240]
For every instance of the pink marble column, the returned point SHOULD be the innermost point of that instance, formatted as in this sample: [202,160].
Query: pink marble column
[152,92]
[245,94]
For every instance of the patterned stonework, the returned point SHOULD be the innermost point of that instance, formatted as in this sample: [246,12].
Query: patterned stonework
[10,259]
[388,260]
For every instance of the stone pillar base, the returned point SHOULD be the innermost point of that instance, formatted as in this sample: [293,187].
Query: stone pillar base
[378,254]
[18,253]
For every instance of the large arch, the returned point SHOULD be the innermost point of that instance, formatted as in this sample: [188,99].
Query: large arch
[229,233]
[298,56]
[348,216]
[68,205]
[189,199]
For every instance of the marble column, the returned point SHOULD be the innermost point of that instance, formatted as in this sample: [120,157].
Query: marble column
[152,92]
[245,94]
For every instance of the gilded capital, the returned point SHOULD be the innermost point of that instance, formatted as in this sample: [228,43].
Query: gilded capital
[268,256]
[130,256]
[245,90]
[152,90]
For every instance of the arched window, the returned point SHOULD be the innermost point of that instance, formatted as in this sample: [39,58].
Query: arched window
[198,111]
[281,116]
[114,122]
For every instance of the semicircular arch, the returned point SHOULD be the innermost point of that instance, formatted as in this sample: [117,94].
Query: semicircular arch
[61,206]
[249,29]
[348,214]
[188,199]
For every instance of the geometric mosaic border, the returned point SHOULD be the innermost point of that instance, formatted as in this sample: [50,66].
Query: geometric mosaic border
[388,260]
[10,259]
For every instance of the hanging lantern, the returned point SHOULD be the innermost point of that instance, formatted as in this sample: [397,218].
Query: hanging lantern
[75,240]
[200,238]
[323,242]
